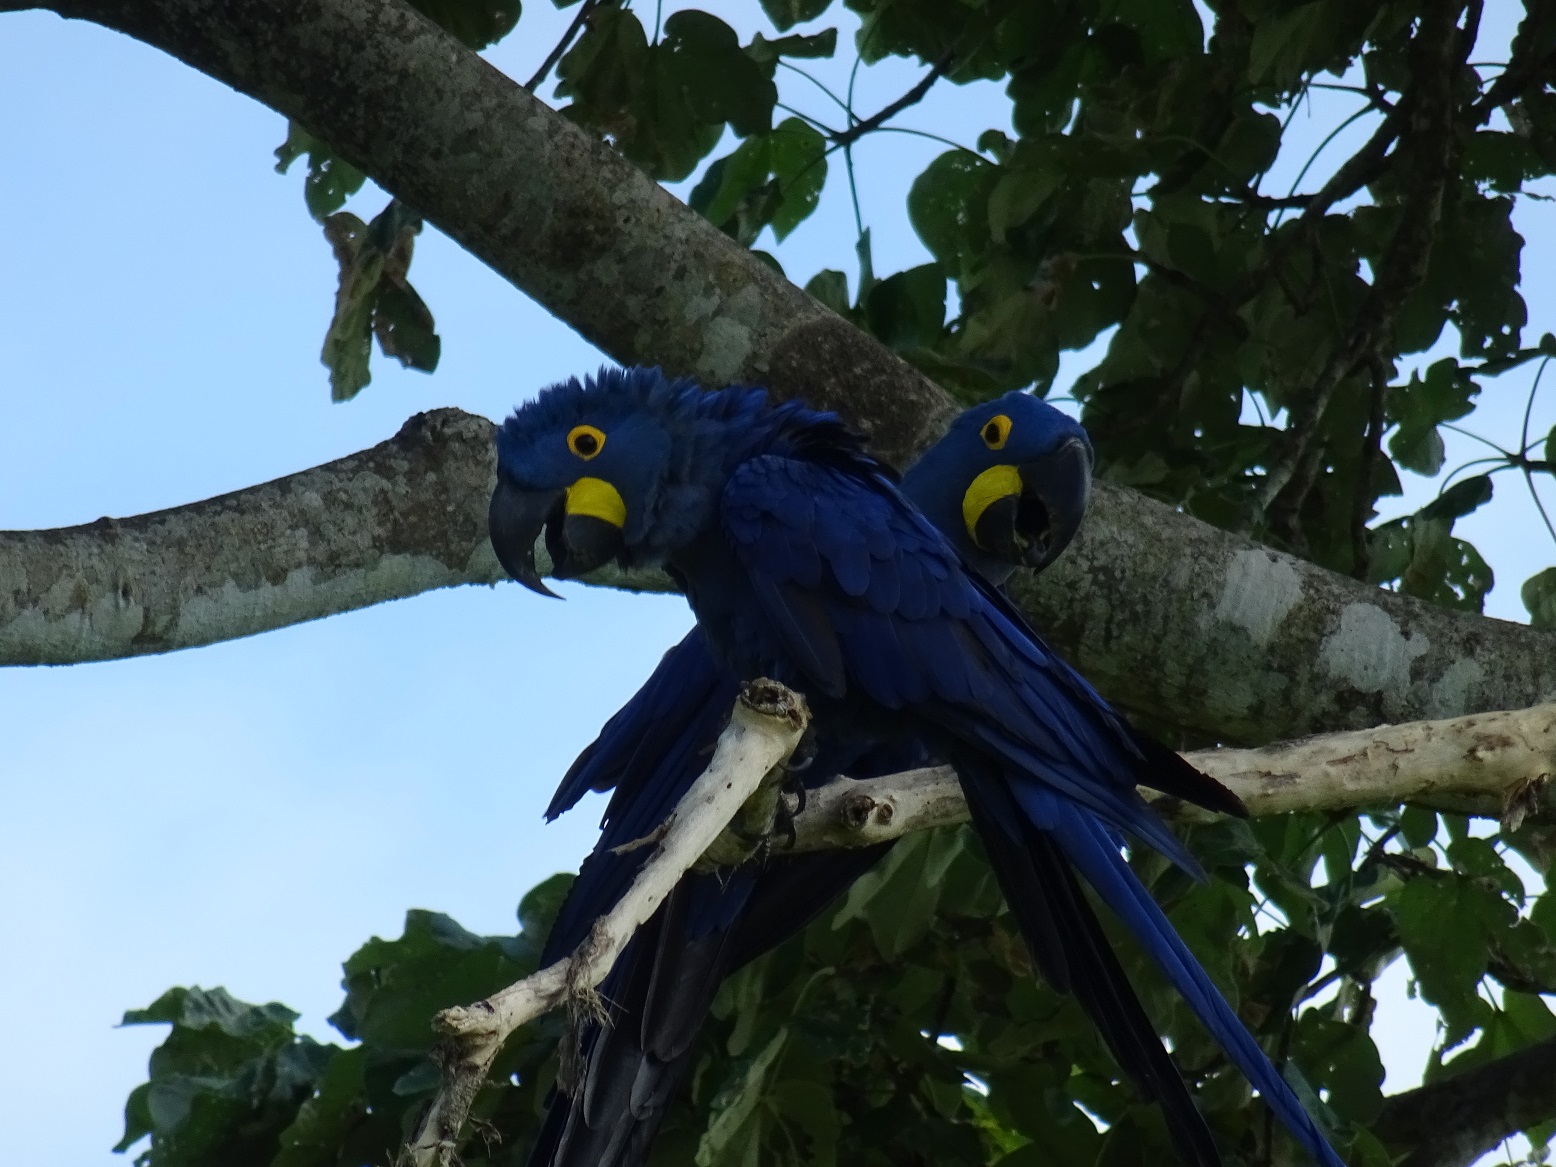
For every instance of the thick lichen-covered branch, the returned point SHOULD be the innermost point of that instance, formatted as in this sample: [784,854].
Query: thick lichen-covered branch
[1169,616]
[1454,1121]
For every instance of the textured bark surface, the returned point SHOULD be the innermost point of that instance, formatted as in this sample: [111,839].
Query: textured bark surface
[388,522]
[1170,616]
[404,517]
[1453,1122]
[1179,620]
[1165,614]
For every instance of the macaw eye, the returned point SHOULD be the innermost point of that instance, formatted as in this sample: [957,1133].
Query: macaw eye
[585,441]
[996,432]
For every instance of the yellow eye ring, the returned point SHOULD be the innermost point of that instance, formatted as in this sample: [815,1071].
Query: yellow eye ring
[996,432]
[585,441]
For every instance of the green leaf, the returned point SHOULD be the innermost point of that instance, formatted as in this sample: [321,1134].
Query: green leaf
[393,987]
[476,23]
[773,179]
[1283,46]
[798,158]
[1464,496]
[405,329]
[831,288]
[327,1119]
[733,1135]
[818,46]
[702,54]
[540,905]
[1419,450]
[331,180]
[907,310]
[786,14]
[375,297]
[227,1080]
[1446,924]
[947,205]
[1539,596]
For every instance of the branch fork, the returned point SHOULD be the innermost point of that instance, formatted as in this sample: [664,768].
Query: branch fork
[767,723]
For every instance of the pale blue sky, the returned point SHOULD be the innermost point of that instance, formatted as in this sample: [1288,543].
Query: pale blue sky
[247,814]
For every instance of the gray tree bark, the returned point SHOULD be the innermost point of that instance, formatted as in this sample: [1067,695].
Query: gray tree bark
[1169,616]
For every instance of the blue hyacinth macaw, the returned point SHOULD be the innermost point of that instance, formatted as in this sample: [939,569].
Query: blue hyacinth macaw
[804,562]
[1018,504]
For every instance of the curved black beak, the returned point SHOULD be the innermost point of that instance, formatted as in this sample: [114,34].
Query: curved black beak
[1034,527]
[515,520]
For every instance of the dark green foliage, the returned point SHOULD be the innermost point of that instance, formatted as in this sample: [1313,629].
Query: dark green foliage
[665,104]
[233,1084]
[477,23]
[907,1026]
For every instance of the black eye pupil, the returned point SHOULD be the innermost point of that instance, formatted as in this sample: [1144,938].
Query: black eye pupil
[586,444]
[991,432]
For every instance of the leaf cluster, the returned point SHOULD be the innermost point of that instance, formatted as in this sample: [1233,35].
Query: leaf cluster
[907,1025]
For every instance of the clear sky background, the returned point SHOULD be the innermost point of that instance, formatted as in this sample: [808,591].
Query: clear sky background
[247,814]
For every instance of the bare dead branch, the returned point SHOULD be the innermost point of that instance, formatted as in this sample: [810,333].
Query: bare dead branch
[766,726]
[1495,765]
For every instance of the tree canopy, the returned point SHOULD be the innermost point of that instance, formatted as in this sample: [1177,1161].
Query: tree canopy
[1275,361]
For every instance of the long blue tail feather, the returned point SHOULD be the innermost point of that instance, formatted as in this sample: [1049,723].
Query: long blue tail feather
[1086,844]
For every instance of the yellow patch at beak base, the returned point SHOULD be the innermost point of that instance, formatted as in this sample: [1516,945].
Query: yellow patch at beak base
[993,484]
[598,499]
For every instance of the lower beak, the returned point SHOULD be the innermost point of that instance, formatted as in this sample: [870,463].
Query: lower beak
[515,520]
[1053,500]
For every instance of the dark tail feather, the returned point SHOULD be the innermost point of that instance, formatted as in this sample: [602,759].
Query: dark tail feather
[1166,771]
[791,892]
[656,996]
[1087,846]
[1073,954]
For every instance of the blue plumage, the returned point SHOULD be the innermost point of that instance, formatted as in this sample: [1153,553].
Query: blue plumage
[804,562]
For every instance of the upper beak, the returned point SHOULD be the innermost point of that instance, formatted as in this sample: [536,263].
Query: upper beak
[582,524]
[1039,508]
[515,520]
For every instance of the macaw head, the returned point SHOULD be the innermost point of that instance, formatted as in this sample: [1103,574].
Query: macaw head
[623,466]
[1008,484]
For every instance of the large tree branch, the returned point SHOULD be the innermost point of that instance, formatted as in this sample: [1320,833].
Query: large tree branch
[1453,1122]
[1168,615]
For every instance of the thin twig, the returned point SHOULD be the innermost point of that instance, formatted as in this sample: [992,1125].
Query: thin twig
[766,726]
[584,10]
[912,97]
[1362,496]
[1527,64]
